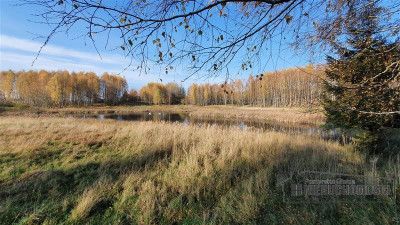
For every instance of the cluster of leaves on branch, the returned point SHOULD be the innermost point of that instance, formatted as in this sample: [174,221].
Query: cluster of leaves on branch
[61,88]
[205,35]
[300,86]
[209,35]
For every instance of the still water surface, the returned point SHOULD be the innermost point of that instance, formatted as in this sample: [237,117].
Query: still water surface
[242,124]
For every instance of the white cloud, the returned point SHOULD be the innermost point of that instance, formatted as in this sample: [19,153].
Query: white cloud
[34,46]
[18,61]
[18,54]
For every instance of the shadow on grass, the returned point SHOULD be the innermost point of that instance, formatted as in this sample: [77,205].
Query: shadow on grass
[243,192]
[53,192]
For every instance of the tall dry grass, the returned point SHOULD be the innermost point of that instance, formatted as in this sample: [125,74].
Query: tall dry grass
[104,171]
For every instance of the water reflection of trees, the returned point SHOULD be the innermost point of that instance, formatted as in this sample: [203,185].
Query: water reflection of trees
[242,124]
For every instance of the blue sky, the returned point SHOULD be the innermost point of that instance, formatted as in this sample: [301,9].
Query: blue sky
[19,45]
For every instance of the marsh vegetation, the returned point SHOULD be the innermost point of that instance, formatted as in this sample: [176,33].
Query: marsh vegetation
[80,171]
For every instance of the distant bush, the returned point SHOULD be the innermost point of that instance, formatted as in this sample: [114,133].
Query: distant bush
[21,106]
[6,104]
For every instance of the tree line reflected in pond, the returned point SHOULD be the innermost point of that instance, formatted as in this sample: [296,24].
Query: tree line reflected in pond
[240,123]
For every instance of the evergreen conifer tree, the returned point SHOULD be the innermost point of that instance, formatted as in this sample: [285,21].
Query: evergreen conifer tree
[363,81]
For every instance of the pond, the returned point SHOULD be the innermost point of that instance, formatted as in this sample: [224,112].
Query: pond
[240,123]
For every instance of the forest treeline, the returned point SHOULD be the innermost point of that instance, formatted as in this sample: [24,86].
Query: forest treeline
[289,87]
[61,88]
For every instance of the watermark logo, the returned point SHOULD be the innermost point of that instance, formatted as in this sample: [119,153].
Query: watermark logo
[319,186]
